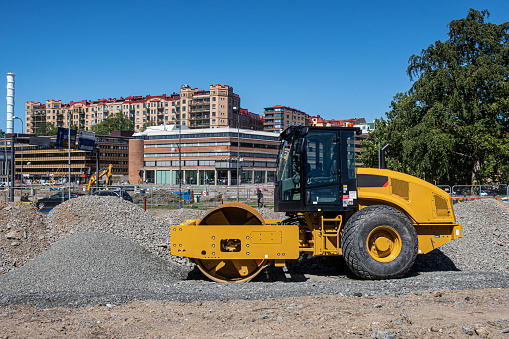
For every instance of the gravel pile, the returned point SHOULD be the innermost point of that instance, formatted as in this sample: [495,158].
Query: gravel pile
[23,234]
[92,262]
[115,216]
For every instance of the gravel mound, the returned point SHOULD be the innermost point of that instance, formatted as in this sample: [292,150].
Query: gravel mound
[23,234]
[91,262]
[115,216]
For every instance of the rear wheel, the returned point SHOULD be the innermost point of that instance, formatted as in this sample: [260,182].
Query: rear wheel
[235,270]
[379,242]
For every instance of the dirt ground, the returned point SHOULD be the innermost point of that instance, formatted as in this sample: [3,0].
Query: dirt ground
[437,314]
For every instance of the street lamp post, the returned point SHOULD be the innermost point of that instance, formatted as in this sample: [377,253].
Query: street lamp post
[22,132]
[238,149]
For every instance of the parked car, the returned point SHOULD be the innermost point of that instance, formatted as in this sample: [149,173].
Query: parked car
[114,193]
[50,202]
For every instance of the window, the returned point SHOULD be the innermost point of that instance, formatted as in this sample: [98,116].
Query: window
[213,105]
[183,101]
[184,109]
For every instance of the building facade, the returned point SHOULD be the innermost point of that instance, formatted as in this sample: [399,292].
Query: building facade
[319,121]
[207,156]
[277,118]
[216,108]
[36,163]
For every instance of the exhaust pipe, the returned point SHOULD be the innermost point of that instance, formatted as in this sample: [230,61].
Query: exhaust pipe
[382,156]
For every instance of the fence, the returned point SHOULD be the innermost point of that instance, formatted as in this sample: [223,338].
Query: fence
[150,196]
[166,196]
[205,197]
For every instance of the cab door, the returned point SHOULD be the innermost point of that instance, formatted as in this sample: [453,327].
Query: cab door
[322,168]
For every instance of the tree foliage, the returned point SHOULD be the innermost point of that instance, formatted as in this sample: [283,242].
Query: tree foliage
[119,122]
[147,124]
[45,129]
[453,124]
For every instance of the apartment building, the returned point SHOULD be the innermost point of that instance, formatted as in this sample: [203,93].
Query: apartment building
[319,121]
[216,108]
[277,118]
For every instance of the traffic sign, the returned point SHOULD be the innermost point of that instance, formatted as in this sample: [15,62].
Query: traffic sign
[63,136]
[86,141]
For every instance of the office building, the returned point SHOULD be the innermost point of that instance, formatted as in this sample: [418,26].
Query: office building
[207,156]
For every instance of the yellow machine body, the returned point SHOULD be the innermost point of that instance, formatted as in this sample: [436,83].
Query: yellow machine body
[234,232]
[427,206]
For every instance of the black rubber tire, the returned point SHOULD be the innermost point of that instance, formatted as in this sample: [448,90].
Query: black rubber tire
[356,232]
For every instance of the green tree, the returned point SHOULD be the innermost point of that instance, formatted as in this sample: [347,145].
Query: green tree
[119,122]
[46,128]
[453,124]
[147,124]
[2,134]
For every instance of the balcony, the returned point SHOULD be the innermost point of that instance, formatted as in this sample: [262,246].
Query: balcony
[199,125]
[199,117]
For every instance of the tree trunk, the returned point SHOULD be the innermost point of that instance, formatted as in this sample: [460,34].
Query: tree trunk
[476,172]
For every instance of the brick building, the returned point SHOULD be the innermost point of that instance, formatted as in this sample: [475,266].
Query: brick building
[277,118]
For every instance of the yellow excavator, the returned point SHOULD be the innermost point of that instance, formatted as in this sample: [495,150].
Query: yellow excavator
[376,219]
[106,171]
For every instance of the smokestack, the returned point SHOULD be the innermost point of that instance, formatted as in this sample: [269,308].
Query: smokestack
[10,101]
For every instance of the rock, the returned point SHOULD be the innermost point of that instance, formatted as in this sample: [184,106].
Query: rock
[15,243]
[435,329]
[13,235]
[382,335]
[467,330]
[481,331]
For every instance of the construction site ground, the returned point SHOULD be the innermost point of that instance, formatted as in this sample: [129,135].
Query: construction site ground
[459,290]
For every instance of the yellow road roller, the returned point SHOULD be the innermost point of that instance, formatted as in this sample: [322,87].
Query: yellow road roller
[376,219]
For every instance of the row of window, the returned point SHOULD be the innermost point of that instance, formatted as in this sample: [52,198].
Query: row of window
[209,135]
[211,154]
[195,163]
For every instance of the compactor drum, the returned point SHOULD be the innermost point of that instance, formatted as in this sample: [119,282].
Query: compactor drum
[378,220]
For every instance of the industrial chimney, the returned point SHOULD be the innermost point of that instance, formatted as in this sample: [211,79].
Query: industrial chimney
[10,101]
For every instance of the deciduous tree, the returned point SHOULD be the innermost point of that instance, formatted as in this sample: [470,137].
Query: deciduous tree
[453,124]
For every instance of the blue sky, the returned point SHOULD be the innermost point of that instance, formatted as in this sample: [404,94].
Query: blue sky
[338,59]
